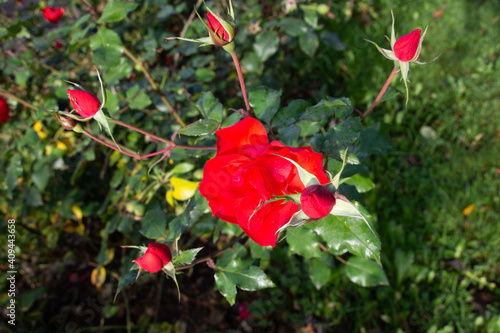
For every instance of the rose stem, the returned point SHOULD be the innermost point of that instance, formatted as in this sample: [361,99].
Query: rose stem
[381,93]
[242,82]
[121,123]
[17,99]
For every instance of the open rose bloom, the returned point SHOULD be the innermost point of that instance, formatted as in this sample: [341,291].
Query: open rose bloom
[246,172]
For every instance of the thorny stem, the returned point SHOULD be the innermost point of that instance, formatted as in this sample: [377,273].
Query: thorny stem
[381,93]
[207,258]
[128,152]
[121,123]
[242,82]
[154,85]
[17,99]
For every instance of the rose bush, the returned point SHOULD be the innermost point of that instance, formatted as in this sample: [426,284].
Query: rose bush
[246,172]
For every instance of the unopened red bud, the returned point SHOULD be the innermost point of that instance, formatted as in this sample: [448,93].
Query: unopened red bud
[84,103]
[406,46]
[156,257]
[316,201]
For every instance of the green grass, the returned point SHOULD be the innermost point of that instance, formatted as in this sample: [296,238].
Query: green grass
[443,266]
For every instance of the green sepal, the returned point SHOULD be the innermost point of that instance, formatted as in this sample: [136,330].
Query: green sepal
[389,54]
[203,41]
[393,34]
[336,179]
[307,178]
[101,119]
[170,270]
[297,219]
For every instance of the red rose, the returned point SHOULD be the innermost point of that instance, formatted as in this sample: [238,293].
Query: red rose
[84,103]
[406,46]
[316,201]
[156,257]
[246,172]
[58,45]
[52,14]
[4,110]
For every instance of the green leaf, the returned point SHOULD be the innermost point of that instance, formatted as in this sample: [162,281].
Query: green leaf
[363,184]
[290,114]
[107,48]
[137,97]
[343,106]
[343,234]
[116,11]
[323,110]
[264,102]
[210,107]
[339,137]
[41,175]
[373,141]
[121,71]
[289,135]
[154,222]
[200,127]
[366,273]
[320,270]
[126,280]
[332,39]
[293,27]
[186,257]
[266,44]
[226,287]
[309,43]
[336,178]
[390,93]
[13,173]
[182,168]
[205,74]
[250,279]
[178,225]
[304,242]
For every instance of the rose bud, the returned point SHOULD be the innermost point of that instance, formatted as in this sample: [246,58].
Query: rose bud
[221,32]
[84,103]
[156,257]
[316,201]
[406,46]
[4,110]
[58,45]
[52,14]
